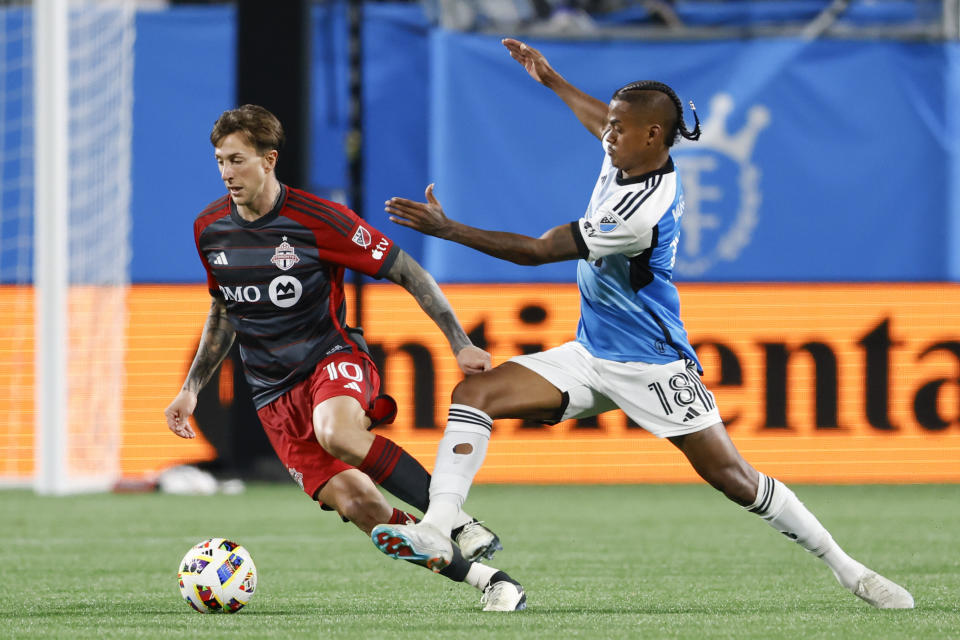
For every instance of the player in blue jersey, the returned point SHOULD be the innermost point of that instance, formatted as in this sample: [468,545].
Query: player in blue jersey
[631,350]
[275,258]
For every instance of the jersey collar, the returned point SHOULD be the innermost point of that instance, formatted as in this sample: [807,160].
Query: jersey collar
[263,220]
[666,168]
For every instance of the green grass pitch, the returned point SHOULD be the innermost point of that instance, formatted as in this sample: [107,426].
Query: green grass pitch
[596,561]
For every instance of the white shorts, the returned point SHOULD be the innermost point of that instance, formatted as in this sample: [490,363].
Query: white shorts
[665,399]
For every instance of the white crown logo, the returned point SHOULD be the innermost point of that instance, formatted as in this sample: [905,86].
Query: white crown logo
[715,139]
[714,129]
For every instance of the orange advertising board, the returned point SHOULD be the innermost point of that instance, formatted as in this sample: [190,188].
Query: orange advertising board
[816,382]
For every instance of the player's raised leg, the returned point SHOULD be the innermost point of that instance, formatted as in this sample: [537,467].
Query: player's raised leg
[340,424]
[714,456]
[356,498]
[402,475]
[509,390]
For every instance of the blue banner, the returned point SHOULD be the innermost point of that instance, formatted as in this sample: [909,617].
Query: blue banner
[183,81]
[819,161]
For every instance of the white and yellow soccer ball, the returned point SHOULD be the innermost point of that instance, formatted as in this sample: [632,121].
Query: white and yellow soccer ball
[217,576]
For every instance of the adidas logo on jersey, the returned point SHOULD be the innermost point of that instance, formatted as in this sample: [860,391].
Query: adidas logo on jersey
[221,258]
[352,385]
[691,414]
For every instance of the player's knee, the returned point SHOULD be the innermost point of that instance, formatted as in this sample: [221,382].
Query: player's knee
[337,439]
[340,426]
[472,392]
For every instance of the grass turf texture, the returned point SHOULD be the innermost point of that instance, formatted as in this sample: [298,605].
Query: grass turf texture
[597,562]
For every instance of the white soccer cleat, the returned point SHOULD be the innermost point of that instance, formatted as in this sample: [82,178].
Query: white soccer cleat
[419,543]
[882,593]
[476,542]
[503,596]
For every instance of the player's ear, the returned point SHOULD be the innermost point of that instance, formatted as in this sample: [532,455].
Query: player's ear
[655,131]
[270,159]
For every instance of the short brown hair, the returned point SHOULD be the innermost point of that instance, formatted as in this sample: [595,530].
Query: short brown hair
[261,128]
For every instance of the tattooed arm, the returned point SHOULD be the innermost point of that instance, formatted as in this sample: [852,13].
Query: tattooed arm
[215,342]
[408,273]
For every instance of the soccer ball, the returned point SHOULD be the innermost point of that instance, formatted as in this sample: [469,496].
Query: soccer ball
[217,576]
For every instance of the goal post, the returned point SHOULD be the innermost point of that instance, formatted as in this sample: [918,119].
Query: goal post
[51,184]
[66,111]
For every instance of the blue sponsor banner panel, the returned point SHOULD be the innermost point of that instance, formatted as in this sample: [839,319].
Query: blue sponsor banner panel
[819,161]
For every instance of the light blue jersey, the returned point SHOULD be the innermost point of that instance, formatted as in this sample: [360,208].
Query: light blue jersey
[629,307]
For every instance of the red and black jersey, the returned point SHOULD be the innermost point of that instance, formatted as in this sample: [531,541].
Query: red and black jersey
[281,277]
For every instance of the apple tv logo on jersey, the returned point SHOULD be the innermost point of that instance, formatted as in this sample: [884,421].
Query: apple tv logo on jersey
[285,291]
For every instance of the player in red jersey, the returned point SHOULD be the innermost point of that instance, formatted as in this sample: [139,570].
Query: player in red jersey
[275,258]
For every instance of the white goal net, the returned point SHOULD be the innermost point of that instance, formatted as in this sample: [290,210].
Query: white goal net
[66,98]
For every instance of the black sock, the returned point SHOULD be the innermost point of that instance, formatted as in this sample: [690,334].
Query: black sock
[398,472]
[499,576]
[410,482]
[458,567]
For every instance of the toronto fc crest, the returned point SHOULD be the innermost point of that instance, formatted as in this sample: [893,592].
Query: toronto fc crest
[284,256]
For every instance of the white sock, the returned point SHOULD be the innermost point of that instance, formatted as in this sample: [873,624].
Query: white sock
[783,511]
[479,575]
[459,456]
[461,519]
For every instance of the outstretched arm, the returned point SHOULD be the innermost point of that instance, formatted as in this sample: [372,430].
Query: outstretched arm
[591,112]
[215,342]
[408,273]
[428,217]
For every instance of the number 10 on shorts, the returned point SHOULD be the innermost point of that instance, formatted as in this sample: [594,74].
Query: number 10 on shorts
[349,370]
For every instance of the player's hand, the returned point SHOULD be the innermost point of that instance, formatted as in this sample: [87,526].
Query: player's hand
[473,360]
[426,217]
[531,59]
[179,412]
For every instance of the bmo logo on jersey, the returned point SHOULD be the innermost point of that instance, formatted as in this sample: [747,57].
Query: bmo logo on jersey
[248,293]
[285,291]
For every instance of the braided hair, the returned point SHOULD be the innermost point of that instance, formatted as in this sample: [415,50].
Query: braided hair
[675,129]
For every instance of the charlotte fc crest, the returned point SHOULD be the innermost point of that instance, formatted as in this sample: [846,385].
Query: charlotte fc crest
[284,256]
[722,189]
